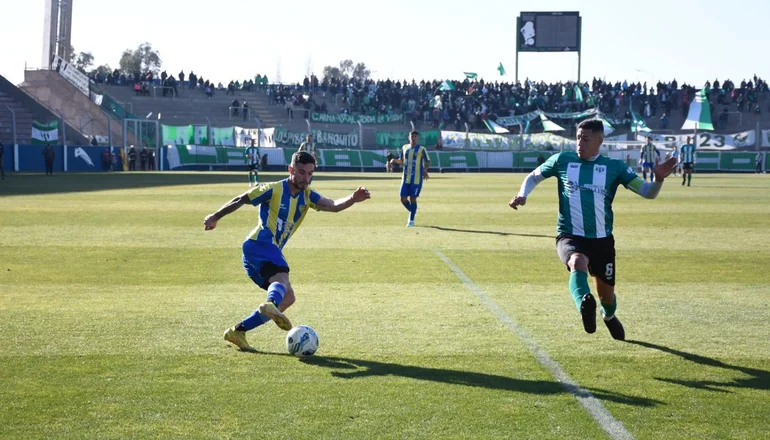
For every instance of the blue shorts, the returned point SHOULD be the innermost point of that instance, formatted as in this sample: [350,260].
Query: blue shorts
[410,189]
[262,261]
[649,165]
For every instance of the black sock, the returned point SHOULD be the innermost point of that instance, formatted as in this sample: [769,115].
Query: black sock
[239,327]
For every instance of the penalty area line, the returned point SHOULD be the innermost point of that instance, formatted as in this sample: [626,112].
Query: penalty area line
[592,405]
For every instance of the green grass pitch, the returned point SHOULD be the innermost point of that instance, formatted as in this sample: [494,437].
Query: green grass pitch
[113,301]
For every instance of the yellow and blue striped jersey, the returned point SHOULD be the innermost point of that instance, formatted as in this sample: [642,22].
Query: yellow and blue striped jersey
[280,213]
[415,160]
[307,146]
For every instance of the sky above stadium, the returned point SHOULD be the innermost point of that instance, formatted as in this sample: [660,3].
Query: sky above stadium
[689,40]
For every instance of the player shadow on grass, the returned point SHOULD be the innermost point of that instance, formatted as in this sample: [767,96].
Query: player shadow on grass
[758,380]
[475,231]
[357,368]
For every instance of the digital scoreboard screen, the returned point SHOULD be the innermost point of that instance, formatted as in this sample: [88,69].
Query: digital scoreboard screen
[548,32]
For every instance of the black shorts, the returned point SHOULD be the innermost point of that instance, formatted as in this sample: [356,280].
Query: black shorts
[600,253]
[254,167]
[687,166]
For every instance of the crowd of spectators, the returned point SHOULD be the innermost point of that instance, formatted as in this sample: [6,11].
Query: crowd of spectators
[470,101]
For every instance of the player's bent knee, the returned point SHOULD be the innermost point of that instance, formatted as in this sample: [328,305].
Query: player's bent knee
[578,262]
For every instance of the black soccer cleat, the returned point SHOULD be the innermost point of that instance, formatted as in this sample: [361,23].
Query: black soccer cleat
[615,328]
[588,313]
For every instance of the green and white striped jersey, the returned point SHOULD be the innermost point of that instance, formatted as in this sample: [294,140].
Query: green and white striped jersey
[586,191]
[687,153]
[252,156]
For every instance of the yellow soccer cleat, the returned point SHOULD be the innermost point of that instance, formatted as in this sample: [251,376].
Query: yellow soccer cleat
[271,311]
[238,339]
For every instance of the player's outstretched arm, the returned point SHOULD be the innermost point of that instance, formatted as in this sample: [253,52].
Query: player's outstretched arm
[210,222]
[329,205]
[529,184]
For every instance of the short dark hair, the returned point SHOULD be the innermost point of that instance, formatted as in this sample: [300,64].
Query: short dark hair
[414,132]
[595,125]
[302,158]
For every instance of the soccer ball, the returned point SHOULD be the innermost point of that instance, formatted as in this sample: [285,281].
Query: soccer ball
[302,341]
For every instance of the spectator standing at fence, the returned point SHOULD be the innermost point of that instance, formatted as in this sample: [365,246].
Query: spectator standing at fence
[309,146]
[151,160]
[106,159]
[290,107]
[143,158]
[181,78]
[234,106]
[49,154]
[245,111]
[131,158]
[94,142]
[758,168]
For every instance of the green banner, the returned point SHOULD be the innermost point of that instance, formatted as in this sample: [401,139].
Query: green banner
[397,139]
[736,161]
[177,134]
[321,138]
[331,118]
[707,161]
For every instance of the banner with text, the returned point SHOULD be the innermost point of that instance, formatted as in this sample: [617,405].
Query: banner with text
[321,138]
[397,139]
[261,138]
[477,141]
[222,136]
[72,74]
[330,118]
[192,156]
[765,138]
[177,134]
[706,141]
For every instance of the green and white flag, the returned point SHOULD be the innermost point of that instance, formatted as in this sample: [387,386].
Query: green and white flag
[43,133]
[549,125]
[578,93]
[446,86]
[608,128]
[494,127]
[638,124]
[501,69]
[699,117]
[471,75]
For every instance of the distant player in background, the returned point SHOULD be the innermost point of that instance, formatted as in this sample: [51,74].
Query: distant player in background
[252,162]
[415,161]
[309,146]
[585,244]
[687,159]
[282,208]
[649,156]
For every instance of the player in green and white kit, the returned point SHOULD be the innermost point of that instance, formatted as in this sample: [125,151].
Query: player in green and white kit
[687,159]
[587,186]
[252,161]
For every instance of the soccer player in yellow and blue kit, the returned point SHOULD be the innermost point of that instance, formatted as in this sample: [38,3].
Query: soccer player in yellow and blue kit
[415,162]
[309,146]
[282,207]
[587,183]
